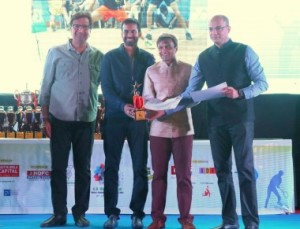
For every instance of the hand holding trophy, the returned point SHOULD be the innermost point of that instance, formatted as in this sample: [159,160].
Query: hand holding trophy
[138,103]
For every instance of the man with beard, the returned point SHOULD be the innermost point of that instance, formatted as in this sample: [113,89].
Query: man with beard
[122,72]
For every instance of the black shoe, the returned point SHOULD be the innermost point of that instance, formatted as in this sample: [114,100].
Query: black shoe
[136,223]
[81,221]
[227,226]
[188,36]
[54,221]
[112,222]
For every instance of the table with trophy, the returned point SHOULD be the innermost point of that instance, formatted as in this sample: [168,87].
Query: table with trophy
[25,120]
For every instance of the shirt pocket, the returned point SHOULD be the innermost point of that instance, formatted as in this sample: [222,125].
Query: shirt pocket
[94,73]
[65,70]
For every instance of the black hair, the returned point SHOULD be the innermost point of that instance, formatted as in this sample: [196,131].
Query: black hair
[81,14]
[167,36]
[131,21]
[163,8]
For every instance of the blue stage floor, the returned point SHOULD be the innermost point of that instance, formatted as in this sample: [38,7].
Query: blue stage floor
[33,221]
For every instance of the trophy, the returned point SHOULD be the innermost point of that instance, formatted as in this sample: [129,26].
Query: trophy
[26,97]
[37,122]
[27,127]
[2,121]
[20,118]
[138,103]
[99,120]
[11,118]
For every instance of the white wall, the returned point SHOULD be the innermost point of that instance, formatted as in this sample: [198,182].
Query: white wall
[271,28]
[19,64]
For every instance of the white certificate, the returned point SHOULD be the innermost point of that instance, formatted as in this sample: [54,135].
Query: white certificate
[210,93]
[156,104]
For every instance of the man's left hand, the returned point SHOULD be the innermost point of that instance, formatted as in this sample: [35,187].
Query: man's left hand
[230,92]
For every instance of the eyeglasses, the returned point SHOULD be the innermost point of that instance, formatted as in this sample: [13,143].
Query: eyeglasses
[83,27]
[217,28]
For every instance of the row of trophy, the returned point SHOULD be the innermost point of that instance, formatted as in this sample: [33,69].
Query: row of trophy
[25,122]
[22,123]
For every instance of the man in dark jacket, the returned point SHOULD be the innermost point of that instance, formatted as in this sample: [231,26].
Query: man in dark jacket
[123,70]
[230,118]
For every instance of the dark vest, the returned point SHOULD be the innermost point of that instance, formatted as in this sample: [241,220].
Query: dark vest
[227,64]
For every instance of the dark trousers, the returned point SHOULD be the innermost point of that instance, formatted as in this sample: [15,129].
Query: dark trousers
[136,134]
[161,151]
[240,137]
[79,135]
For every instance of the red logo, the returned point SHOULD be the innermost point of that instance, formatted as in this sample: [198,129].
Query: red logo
[9,170]
[38,173]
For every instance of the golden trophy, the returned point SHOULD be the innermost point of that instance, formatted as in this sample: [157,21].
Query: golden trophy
[2,121]
[99,121]
[28,133]
[138,103]
[20,117]
[11,118]
[36,126]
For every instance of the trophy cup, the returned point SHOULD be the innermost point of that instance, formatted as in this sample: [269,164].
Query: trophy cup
[2,120]
[28,133]
[11,118]
[26,97]
[37,123]
[20,117]
[99,120]
[25,119]
[138,103]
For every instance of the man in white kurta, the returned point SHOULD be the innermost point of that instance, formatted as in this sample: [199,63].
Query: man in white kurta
[172,135]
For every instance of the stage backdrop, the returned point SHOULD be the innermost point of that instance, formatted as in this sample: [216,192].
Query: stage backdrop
[25,178]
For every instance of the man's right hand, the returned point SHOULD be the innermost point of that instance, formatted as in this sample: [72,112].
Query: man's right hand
[47,128]
[129,110]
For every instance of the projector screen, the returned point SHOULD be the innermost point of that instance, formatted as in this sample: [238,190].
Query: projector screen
[272,29]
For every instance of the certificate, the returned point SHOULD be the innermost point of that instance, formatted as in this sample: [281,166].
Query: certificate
[197,96]
[156,104]
[210,93]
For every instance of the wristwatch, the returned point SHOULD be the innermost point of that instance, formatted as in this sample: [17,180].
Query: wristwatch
[241,94]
